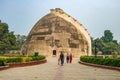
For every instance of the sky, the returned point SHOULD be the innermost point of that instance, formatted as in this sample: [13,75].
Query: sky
[95,15]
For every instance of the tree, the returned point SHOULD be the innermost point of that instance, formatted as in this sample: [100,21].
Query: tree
[20,39]
[110,48]
[7,39]
[10,39]
[108,36]
[119,47]
[106,44]
[3,30]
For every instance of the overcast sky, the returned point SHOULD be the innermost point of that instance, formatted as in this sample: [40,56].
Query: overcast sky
[95,15]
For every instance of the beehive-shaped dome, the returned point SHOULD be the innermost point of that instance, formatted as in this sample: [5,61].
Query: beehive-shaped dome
[55,32]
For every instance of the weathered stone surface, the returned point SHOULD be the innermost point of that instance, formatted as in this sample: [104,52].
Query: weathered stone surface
[58,31]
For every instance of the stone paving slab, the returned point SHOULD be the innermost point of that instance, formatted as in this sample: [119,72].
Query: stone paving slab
[52,71]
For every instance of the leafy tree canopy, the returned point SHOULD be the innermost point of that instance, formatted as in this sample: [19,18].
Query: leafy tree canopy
[20,39]
[108,36]
[7,38]
[106,44]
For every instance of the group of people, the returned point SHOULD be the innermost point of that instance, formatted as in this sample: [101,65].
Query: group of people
[61,58]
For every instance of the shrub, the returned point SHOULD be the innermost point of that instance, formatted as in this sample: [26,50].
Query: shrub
[2,62]
[102,61]
[27,59]
[14,59]
[37,58]
[4,59]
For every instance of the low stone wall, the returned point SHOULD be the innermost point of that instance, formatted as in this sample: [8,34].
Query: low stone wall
[11,65]
[3,67]
[100,66]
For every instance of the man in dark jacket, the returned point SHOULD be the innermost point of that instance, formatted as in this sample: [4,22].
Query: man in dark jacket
[62,58]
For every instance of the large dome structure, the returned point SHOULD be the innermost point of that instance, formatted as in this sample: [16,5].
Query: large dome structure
[55,32]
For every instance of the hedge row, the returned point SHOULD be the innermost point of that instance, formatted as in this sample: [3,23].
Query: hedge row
[3,61]
[14,59]
[101,61]
[38,58]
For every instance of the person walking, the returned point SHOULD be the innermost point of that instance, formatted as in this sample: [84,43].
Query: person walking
[70,58]
[62,58]
[67,58]
[58,61]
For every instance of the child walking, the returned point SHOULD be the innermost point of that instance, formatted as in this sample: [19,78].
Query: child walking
[67,58]
[58,61]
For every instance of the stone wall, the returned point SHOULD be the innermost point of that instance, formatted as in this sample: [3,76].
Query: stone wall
[58,31]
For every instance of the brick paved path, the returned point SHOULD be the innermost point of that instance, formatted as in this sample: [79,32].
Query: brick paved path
[52,71]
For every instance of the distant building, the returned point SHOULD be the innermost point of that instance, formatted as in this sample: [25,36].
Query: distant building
[55,32]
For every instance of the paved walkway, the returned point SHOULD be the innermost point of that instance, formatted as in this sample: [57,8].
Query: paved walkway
[52,71]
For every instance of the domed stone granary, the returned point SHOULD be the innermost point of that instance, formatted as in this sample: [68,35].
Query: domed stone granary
[56,32]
